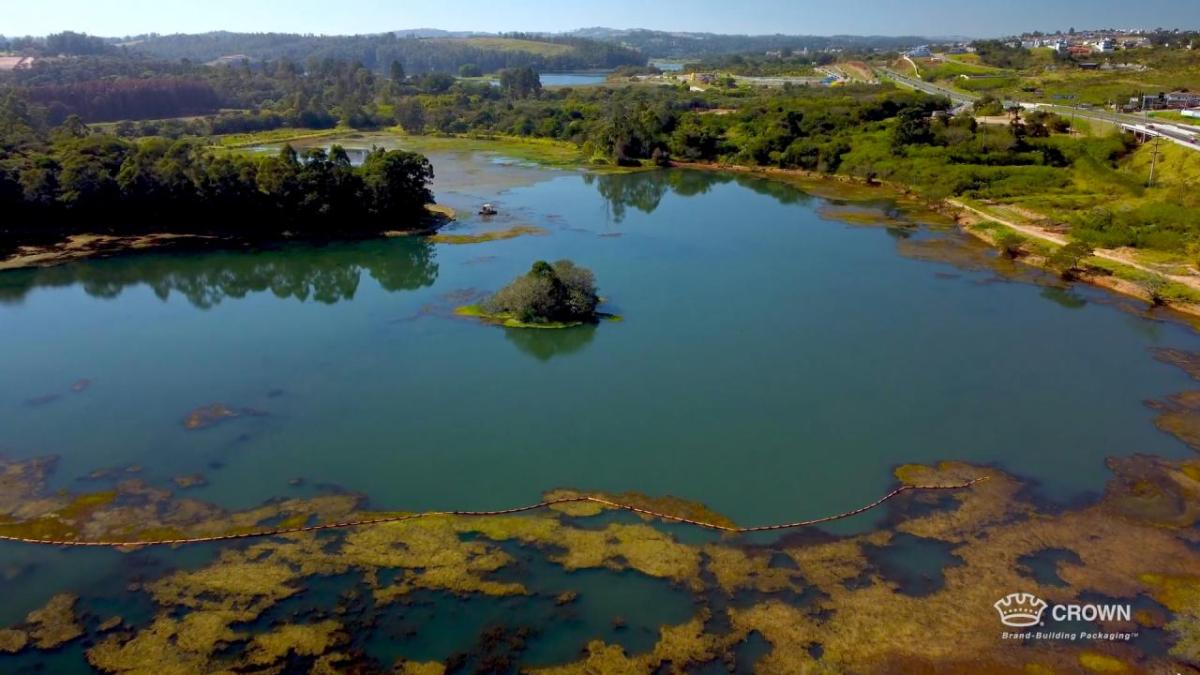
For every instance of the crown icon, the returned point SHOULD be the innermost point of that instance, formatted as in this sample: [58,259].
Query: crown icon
[1020,609]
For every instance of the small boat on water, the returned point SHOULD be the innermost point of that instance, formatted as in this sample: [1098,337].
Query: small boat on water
[488,210]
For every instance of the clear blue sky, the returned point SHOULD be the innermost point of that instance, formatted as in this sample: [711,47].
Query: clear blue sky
[860,17]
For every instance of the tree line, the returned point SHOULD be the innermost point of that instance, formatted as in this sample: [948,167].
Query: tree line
[376,52]
[71,179]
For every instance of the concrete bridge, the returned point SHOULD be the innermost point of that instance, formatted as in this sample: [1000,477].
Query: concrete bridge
[1188,137]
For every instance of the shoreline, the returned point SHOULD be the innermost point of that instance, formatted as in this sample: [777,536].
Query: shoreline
[966,217]
[93,246]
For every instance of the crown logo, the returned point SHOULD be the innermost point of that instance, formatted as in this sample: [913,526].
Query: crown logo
[1020,609]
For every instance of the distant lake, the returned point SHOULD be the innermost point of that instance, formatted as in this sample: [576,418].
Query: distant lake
[582,79]
[668,66]
[576,79]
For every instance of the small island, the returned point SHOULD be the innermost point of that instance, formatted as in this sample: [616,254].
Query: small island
[550,295]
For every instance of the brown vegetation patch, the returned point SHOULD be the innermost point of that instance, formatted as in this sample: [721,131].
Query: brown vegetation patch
[1139,540]
[1188,362]
[190,480]
[208,415]
[12,641]
[1179,415]
[54,624]
[492,235]
[668,504]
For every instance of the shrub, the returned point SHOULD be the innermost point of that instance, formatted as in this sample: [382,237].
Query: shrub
[562,291]
[1065,261]
[1009,244]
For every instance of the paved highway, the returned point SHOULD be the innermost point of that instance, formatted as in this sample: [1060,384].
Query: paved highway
[957,97]
[1180,134]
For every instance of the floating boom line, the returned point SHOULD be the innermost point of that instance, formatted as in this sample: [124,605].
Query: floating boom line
[364,522]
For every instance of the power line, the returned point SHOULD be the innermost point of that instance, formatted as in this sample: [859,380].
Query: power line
[1153,160]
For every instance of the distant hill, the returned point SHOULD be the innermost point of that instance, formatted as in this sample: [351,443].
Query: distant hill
[664,44]
[423,50]
[420,50]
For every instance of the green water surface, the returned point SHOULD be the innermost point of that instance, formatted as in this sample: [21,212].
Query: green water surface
[773,363]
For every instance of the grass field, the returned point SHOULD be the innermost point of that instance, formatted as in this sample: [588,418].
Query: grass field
[1133,72]
[1175,116]
[234,141]
[512,45]
[538,150]
[950,68]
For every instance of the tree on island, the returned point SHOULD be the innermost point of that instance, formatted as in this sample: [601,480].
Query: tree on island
[560,292]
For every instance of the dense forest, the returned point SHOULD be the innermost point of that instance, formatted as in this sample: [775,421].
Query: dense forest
[664,44]
[68,179]
[431,50]
[377,52]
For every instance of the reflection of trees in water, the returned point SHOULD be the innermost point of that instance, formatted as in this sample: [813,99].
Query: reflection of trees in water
[545,344]
[782,192]
[644,190]
[325,274]
[1063,297]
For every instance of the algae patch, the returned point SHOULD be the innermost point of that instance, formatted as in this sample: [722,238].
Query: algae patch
[508,320]
[492,235]
[832,609]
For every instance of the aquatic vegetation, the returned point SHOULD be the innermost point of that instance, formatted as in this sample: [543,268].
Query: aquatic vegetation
[151,651]
[617,546]
[190,480]
[862,216]
[509,320]
[432,555]
[1154,491]
[235,583]
[1100,663]
[1137,540]
[428,668]
[492,235]
[1187,361]
[964,254]
[1179,415]
[677,647]
[208,415]
[735,569]
[55,623]
[12,641]
[670,505]
[301,639]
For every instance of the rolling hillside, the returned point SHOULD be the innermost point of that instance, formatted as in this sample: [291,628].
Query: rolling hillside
[418,54]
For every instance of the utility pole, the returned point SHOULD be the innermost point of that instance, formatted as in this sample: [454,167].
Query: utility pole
[1153,160]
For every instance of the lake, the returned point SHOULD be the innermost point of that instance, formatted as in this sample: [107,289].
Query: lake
[779,354]
[581,79]
[572,79]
